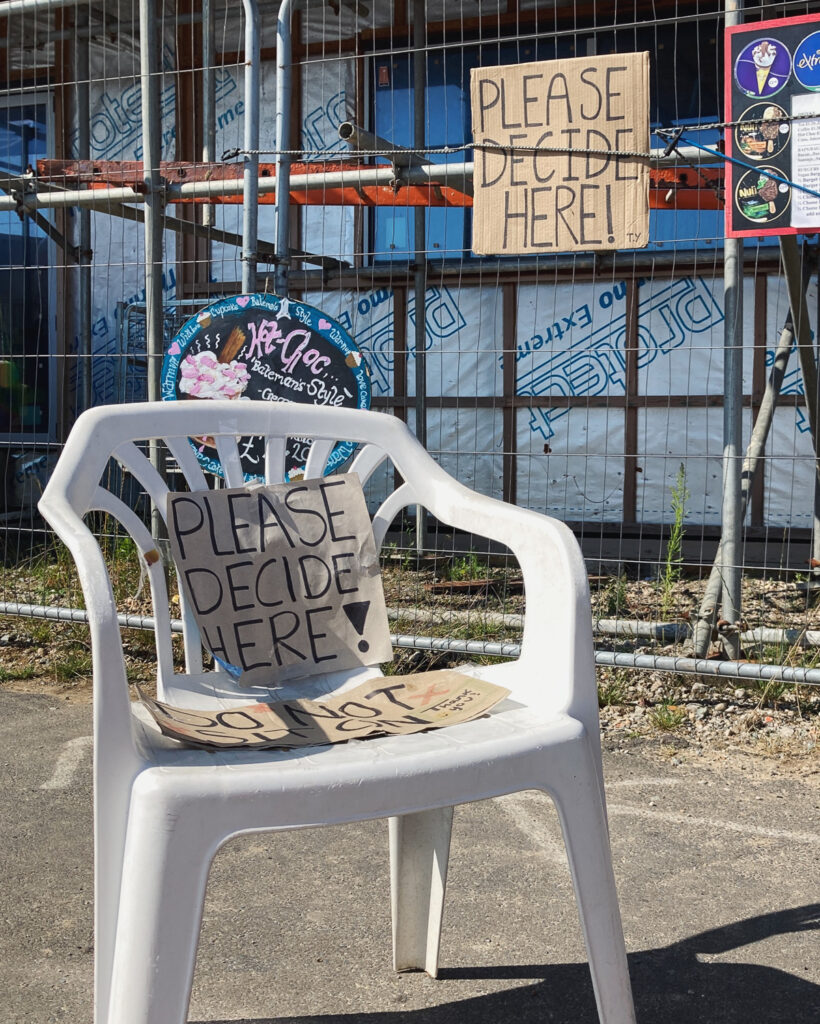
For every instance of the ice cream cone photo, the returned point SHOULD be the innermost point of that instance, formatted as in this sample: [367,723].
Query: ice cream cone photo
[762,78]
[763,56]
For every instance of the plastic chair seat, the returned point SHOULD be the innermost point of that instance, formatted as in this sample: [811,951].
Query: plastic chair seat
[472,761]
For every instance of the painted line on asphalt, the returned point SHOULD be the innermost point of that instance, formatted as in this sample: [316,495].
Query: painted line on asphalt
[714,823]
[68,762]
[643,782]
[529,811]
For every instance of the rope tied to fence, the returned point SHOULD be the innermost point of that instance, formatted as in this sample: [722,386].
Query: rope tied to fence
[674,136]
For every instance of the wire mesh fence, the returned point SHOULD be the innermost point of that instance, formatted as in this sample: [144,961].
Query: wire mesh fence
[591,386]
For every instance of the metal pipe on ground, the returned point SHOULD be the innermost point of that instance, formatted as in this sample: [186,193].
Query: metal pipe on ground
[609,659]
[739,670]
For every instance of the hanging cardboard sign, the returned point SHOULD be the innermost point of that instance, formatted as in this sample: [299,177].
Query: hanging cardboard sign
[772,97]
[393,705]
[283,580]
[269,348]
[558,183]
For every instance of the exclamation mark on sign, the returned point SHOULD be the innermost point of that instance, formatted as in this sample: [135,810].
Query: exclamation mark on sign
[609,227]
[357,613]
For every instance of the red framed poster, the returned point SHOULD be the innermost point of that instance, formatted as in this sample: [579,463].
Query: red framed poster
[772,82]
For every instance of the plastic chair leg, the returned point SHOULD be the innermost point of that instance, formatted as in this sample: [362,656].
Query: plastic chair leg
[419,852]
[107,883]
[580,805]
[163,888]
[112,799]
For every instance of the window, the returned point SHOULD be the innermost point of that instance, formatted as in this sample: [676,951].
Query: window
[27,403]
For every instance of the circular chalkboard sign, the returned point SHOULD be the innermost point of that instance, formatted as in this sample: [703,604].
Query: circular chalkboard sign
[760,198]
[807,62]
[763,131]
[763,67]
[269,348]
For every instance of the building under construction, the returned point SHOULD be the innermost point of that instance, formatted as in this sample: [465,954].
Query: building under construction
[157,155]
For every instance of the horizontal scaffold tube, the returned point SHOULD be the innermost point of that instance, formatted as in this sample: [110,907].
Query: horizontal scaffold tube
[455,175]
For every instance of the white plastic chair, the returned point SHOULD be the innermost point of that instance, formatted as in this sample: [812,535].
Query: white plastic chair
[163,810]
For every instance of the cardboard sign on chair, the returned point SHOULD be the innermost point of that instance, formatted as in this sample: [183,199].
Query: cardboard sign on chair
[283,579]
[392,705]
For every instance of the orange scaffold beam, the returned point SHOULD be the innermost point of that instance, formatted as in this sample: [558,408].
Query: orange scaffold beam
[344,183]
[100,174]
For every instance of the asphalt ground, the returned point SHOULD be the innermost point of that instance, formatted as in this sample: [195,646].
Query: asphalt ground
[718,865]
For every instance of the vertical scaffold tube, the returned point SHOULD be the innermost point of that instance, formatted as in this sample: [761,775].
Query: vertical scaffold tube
[250,176]
[731,515]
[284,72]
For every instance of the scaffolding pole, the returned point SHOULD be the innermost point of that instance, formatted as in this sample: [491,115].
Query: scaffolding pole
[284,73]
[731,507]
[208,103]
[150,82]
[420,256]
[454,175]
[84,253]
[250,174]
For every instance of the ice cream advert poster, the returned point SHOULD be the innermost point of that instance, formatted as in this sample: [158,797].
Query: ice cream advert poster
[773,139]
[268,348]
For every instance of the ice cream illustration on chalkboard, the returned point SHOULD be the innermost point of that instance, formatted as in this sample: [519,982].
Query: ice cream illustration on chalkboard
[763,55]
[204,375]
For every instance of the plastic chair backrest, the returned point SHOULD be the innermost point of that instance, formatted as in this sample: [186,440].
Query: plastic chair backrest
[139,437]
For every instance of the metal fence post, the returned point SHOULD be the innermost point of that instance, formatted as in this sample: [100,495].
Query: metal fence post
[154,212]
[208,103]
[250,175]
[731,515]
[84,253]
[420,255]
[284,72]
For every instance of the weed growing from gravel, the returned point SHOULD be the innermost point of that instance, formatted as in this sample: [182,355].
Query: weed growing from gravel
[19,672]
[667,717]
[468,568]
[615,597]
[72,665]
[679,495]
[767,691]
[612,690]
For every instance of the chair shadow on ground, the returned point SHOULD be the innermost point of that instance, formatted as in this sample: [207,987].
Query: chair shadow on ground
[671,985]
